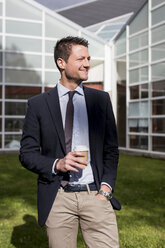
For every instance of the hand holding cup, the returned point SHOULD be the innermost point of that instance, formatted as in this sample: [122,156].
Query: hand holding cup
[83,150]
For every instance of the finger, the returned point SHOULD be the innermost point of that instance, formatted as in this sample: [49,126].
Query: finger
[69,163]
[71,160]
[78,158]
[73,155]
[77,154]
[78,165]
[72,168]
[81,161]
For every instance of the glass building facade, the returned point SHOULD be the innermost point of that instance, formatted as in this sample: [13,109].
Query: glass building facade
[139,56]
[28,33]
[107,30]
[130,66]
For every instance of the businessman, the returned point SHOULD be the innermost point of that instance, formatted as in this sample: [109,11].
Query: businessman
[73,192]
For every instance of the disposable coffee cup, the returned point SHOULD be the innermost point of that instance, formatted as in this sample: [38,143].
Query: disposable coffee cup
[84,150]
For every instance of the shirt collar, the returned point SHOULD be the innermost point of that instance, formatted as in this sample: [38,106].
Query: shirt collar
[62,90]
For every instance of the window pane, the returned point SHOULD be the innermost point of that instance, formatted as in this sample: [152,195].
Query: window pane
[0,58]
[144,90]
[121,69]
[139,142]
[57,29]
[121,101]
[158,52]
[141,21]
[138,58]
[28,77]
[0,141]
[138,125]
[12,141]
[156,2]
[23,60]
[113,26]
[139,91]
[158,88]
[0,26]
[120,45]
[13,125]
[0,75]
[0,126]
[158,125]
[138,41]
[49,62]
[0,42]
[1,9]
[0,91]
[0,108]
[107,35]
[49,46]
[138,109]
[23,44]
[158,15]
[134,92]
[158,107]
[20,9]
[158,34]
[52,78]
[15,108]
[158,144]
[158,71]
[138,75]
[16,27]
[21,92]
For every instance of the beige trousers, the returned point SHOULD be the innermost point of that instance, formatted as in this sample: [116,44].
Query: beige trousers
[96,218]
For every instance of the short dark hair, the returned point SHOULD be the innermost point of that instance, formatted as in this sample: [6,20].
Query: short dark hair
[64,46]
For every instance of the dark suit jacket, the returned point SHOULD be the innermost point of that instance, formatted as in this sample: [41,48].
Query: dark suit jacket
[43,141]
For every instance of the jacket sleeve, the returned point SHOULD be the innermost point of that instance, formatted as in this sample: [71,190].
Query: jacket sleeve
[30,151]
[110,149]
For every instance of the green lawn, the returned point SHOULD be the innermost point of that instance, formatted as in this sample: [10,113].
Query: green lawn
[140,187]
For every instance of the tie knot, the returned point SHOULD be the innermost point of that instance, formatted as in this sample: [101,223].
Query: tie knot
[71,94]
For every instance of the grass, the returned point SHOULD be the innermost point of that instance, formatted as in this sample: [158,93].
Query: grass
[140,187]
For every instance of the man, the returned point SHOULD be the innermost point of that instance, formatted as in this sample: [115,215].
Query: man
[72,191]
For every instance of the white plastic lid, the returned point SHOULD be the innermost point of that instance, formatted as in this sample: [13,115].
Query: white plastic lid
[81,148]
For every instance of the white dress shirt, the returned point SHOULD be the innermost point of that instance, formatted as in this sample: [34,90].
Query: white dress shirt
[80,128]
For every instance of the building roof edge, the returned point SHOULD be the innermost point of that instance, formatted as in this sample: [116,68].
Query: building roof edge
[75,5]
[130,20]
[65,20]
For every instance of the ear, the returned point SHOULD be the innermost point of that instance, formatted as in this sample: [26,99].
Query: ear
[61,63]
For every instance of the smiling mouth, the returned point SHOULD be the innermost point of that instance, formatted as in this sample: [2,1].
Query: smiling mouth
[85,71]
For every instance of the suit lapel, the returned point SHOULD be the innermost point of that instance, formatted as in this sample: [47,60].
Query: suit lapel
[52,100]
[91,109]
[91,102]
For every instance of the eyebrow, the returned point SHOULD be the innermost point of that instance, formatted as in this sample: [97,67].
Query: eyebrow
[82,57]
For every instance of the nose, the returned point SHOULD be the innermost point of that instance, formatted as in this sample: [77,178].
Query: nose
[86,63]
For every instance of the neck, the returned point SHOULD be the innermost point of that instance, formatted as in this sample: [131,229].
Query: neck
[70,84]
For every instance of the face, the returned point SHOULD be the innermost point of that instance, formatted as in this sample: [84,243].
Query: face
[77,66]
